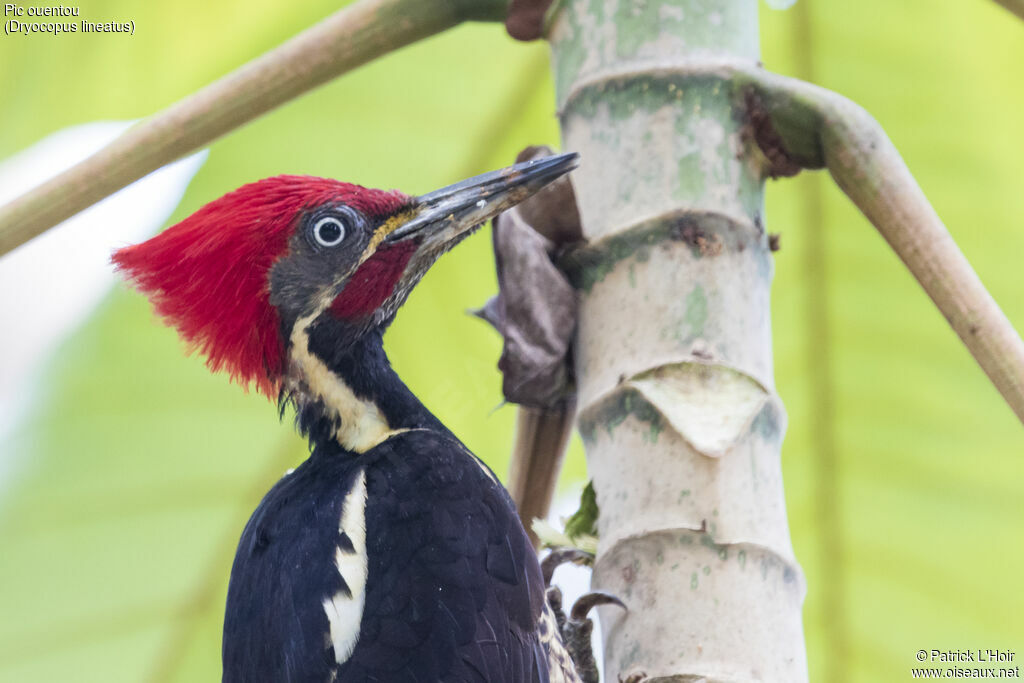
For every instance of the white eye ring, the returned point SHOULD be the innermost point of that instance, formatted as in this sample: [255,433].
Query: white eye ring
[329,231]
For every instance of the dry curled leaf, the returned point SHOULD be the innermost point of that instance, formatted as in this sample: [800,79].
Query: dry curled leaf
[535,310]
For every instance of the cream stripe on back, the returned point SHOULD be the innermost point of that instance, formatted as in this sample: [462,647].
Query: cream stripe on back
[345,608]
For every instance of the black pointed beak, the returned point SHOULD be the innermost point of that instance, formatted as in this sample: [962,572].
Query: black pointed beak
[447,213]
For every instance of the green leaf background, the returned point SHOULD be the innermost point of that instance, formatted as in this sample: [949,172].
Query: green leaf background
[904,469]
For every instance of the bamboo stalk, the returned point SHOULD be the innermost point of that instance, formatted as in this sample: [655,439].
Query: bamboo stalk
[349,38]
[677,406]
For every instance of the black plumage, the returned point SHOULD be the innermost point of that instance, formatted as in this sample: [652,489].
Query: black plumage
[453,589]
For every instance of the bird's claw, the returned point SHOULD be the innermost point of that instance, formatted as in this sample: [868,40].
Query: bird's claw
[633,677]
[576,629]
[588,601]
[559,556]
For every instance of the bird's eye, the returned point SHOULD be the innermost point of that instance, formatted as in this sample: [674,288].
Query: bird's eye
[329,231]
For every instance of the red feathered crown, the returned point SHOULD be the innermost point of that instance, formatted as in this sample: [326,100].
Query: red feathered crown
[208,275]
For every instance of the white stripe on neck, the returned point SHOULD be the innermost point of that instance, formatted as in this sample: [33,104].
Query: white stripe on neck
[361,423]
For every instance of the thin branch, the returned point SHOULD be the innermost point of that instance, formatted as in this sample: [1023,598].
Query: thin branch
[349,38]
[817,128]
[541,439]
[1015,6]
[821,378]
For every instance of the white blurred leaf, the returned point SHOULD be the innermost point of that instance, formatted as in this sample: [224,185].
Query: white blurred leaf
[64,273]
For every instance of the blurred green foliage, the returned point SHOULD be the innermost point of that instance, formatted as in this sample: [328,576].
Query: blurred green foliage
[138,468]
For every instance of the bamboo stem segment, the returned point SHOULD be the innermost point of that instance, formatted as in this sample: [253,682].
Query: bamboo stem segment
[678,410]
[349,38]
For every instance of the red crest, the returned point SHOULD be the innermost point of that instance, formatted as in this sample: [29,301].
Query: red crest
[208,275]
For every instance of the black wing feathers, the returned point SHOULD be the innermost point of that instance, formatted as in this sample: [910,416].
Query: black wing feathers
[453,590]
[447,564]
[275,627]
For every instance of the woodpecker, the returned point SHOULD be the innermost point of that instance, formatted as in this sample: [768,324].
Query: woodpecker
[392,553]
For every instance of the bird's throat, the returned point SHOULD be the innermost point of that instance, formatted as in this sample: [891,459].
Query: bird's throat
[354,397]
